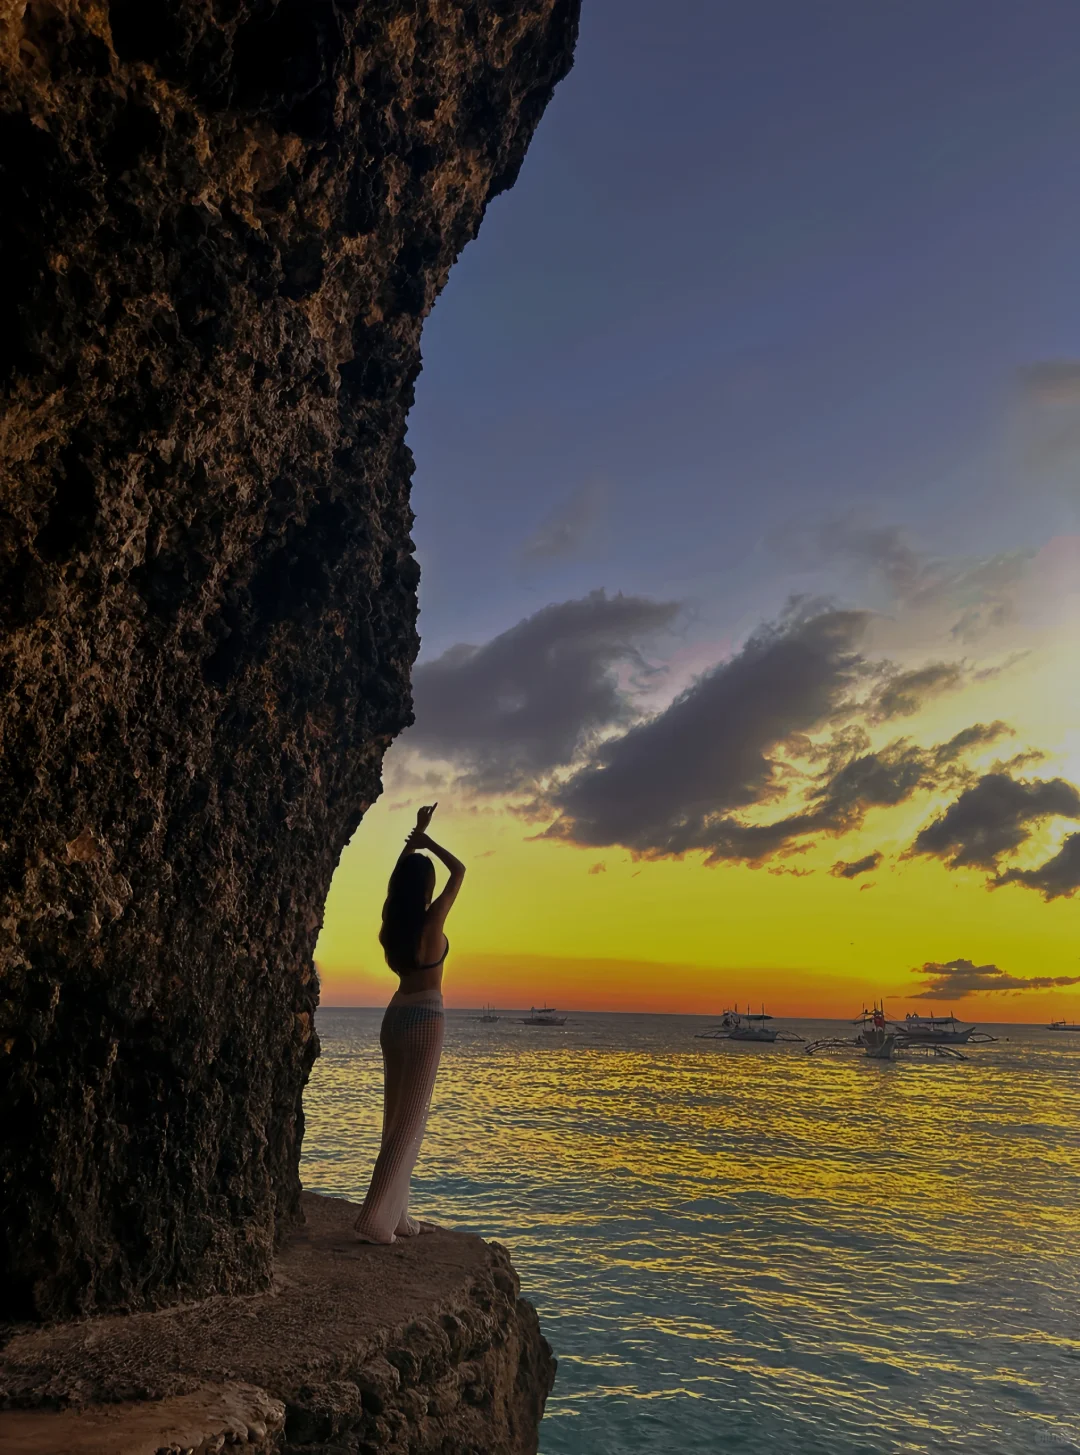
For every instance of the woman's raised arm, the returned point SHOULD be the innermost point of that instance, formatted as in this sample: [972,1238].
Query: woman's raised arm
[440,905]
[423,818]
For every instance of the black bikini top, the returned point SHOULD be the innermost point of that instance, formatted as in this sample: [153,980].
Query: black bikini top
[435,963]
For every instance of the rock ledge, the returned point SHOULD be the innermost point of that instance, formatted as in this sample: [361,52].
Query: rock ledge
[420,1347]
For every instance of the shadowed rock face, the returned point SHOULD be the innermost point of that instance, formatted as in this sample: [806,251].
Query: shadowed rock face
[221,227]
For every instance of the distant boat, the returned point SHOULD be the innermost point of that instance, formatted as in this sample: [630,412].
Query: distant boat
[752,1027]
[545,1016]
[729,1019]
[489,1014]
[934,1030]
[736,1025]
[883,1039]
[1063,1026]
[879,1041]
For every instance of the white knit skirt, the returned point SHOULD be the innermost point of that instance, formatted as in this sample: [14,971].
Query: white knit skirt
[411,1039]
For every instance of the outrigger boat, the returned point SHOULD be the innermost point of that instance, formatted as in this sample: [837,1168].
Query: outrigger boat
[875,1036]
[753,1028]
[545,1016]
[746,1026]
[881,1039]
[936,1030]
[729,1019]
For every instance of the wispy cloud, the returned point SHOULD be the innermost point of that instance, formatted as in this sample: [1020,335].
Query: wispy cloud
[971,595]
[1050,396]
[567,528]
[904,693]
[845,870]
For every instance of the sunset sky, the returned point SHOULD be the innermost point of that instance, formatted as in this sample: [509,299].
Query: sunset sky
[748,474]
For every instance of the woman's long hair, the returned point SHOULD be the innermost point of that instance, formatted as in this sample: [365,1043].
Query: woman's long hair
[407,900]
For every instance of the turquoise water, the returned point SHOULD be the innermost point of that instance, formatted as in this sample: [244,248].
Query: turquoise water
[746,1248]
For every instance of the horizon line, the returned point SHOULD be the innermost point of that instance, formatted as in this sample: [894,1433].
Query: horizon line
[686,1014]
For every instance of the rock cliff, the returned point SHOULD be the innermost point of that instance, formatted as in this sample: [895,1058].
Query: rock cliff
[221,227]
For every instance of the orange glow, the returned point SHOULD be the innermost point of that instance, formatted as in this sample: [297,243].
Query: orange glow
[596,929]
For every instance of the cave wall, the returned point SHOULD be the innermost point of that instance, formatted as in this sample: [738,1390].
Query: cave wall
[222,223]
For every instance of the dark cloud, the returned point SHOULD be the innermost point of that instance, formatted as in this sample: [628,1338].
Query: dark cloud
[670,784]
[955,979]
[598,868]
[793,870]
[532,698]
[1058,878]
[976,736]
[993,818]
[873,780]
[567,528]
[682,780]
[906,692]
[852,870]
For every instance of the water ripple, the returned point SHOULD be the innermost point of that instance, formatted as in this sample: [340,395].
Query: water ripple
[748,1248]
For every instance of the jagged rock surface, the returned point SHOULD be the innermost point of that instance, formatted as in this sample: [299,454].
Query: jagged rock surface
[417,1349]
[221,227]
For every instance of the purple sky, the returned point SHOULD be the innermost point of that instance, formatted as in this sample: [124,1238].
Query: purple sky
[767,264]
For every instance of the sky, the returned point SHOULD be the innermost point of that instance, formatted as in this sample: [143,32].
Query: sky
[748,512]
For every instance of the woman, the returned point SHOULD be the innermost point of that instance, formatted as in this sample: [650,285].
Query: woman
[415,944]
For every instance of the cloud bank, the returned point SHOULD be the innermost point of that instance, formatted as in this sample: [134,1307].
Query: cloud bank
[672,783]
[758,758]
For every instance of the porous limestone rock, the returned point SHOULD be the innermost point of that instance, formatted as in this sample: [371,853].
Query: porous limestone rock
[221,227]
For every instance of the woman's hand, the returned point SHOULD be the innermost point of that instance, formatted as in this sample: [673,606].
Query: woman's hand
[417,838]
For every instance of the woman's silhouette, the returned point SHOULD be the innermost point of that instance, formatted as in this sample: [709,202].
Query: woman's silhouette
[414,941]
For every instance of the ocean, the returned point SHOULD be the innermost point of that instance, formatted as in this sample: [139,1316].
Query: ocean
[746,1248]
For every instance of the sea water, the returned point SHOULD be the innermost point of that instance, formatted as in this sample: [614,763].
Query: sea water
[746,1248]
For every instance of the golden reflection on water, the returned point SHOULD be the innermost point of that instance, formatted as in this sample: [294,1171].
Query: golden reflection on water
[824,1251]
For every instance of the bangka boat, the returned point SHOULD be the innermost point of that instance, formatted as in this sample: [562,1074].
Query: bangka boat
[753,1028]
[729,1020]
[935,1030]
[1064,1026]
[736,1025]
[875,1035]
[882,1040]
[545,1016]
